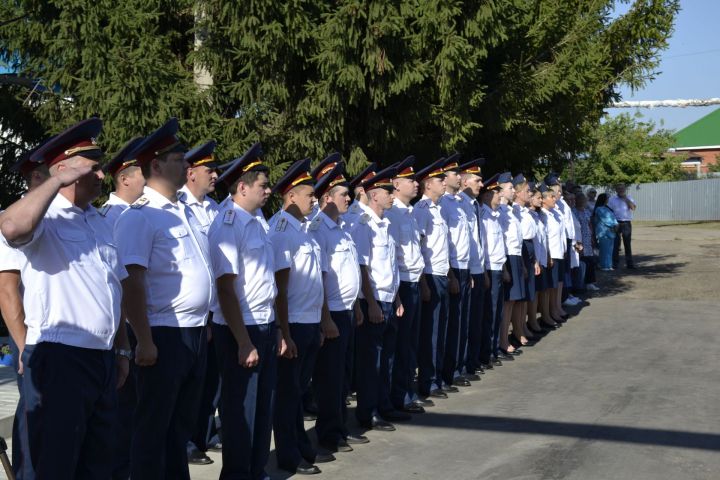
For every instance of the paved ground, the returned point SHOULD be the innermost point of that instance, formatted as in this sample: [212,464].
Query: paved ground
[627,389]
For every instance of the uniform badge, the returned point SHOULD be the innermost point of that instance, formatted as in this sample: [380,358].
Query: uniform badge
[364,218]
[281,224]
[104,209]
[229,217]
[140,202]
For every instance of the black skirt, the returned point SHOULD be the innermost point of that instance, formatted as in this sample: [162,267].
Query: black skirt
[528,256]
[515,290]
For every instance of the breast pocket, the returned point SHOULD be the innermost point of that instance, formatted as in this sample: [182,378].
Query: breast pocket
[177,243]
[76,242]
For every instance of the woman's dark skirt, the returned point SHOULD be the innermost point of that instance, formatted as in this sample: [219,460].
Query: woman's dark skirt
[528,256]
[515,290]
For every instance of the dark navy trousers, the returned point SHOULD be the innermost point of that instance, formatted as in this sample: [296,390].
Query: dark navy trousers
[457,329]
[490,330]
[21,468]
[375,357]
[471,360]
[433,329]
[329,381]
[70,411]
[127,401]
[168,398]
[247,398]
[402,392]
[205,426]
[292,443]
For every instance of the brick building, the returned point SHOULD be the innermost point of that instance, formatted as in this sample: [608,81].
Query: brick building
[700,141]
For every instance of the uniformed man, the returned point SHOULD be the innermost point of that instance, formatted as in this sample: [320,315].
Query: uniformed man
[70,370]
[406,234]
[434,248]
[11,306]
[342,285]
[129,183]
[245,333]
[471,181]
[495,258]
[360,198]
[128,180]
[380,306]
[195,194]
[167,298]
[459,230]
[299,307]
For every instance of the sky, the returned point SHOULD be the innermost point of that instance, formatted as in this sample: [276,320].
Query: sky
[690,67]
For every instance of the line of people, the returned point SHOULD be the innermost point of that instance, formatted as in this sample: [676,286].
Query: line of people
[351,288]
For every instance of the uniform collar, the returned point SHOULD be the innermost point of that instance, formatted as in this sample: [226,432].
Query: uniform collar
[157,198]
[242,215]
[374,217]
[467,197]
[452,196]
[60,202]
[328,221]
[113,199]
[297,225]
[186,196]
[399,204]
[429,201]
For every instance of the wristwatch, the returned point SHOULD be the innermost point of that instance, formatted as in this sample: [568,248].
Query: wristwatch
[124,353]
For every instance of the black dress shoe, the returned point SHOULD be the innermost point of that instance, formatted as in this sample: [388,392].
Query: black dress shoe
[324,457]
[514,353]
[449,389]
[504,356]
[437,393]
[196,457]
[474,377]
[353,439]
[547,326]
[396,416]
[424,402]
[215,447]
[487,366]
[461,382]
[412,408]
[309,417]
[377,423]
[304,468]
[497,362]
[341,446]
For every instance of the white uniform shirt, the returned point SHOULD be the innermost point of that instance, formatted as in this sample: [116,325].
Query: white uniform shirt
[540,241]
[511,230]
[165,238]
[568,223]
[112,209]
[527,222]
[495,251]
[434,233]
[620,209]
[459,228]
[295,248]
[204,211]
[239,246]
[72,270]
[10,258]
[406,234]
[342,280]
[557,244]
[376,249]
[352,217]
[477,250]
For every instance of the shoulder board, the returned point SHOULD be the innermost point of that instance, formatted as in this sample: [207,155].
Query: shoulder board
[281,224]
[140,202]
[315,223]
[103,211]
[354,208]
[364,218]
[229,217]
[422,204]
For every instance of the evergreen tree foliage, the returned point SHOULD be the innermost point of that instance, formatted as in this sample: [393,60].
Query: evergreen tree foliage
[522,82]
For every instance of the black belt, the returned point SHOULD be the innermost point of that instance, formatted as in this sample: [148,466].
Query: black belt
[624,221]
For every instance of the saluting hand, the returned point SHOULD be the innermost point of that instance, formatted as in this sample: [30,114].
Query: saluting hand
[146,355]
[69,174]
[248,355]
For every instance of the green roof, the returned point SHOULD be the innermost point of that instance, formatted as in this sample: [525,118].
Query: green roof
[702,133]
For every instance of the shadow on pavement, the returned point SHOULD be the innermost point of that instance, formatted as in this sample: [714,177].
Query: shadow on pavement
[647,266]
[586,431]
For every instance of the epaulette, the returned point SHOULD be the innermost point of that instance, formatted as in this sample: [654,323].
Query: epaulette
[281,224]
[140,202]
[364,218]
[103,211]
[422,204]
[354,208]
[315,224]
[229,217]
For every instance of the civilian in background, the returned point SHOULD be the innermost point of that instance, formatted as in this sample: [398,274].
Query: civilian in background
[605,225]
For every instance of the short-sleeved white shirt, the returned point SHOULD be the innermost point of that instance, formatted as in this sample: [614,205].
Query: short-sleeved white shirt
[165,238]
[10,258]
[511,230]
[295,249]
[434,236]
[239,246]
[495,252]
[620,209]
[568,224]
[458,230]
[406,234]
[477,249]
[557,243]
[376,249]
[73,277]
[342,280]
[540,241]
[112,209]
[204,211]
[352,216]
